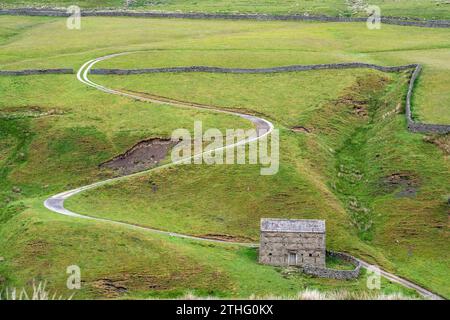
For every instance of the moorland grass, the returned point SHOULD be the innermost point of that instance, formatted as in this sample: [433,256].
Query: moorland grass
[427,9]
[347,160]
[40,245]
[52,153]
[46,43]
[64,149]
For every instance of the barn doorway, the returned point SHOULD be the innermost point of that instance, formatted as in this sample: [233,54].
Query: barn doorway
[292,259]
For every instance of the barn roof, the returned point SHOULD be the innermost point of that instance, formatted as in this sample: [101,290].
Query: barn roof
[286,225]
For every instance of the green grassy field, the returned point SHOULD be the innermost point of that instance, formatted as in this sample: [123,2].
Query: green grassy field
[46,43]
[55,131]
[429,9]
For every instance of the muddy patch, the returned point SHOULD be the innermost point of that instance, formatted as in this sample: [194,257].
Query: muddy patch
[142,156]
[359,106]
[407,193]
[301,129]
[357,97]
[407,182]
[360,110]
[112,288]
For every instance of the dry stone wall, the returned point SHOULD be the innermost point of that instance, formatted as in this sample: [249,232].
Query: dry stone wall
[294,68]
[416,126]
[416,69]
[35,72]
[261,17]
[333,273]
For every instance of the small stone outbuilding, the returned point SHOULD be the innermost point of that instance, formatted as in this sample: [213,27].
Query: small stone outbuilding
[292,242]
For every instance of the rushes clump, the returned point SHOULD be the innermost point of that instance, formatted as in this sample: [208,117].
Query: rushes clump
[312,294]
[39,292]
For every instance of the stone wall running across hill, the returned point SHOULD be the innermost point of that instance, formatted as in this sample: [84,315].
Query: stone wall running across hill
[34,72]
[415,69]
[225,16]
[293,68]
[416,126]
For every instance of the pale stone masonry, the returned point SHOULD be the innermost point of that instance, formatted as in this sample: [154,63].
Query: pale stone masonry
[292,242]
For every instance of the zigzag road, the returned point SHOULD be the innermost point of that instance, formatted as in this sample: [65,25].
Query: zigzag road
[264,128]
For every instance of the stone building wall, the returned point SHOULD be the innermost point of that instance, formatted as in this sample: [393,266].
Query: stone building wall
[309,248]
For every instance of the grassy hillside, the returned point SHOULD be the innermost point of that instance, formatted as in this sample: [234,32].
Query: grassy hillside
[355,127]
[122,263]
[429,9]
[56,141]
[55,131]
[46,153]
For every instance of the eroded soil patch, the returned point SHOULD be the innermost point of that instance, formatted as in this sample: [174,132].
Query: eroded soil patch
[359,106]
[358,95]
[142,156]
[301,129]
[407,181]
[113,288]
[110,288]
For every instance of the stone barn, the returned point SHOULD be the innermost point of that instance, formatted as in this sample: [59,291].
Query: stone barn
[292,242]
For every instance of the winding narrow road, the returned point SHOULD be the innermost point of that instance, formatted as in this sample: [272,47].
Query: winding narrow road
[264,128]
